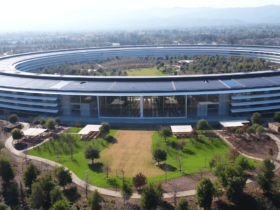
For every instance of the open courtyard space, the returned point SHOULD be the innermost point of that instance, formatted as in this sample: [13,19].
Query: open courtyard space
[132,153]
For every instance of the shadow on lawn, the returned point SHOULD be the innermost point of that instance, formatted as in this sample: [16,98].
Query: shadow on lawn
[97,167]
[167,166]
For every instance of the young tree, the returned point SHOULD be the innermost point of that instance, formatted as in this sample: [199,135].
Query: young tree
[265,175]
[91,152]
[87,180]
[105,128]
[22,193]
[61,205]
[6,171]
[46,183]
[175,188]
[256,118]
[106,169]
[204,193]
[232,154]
[37,197]
[183,204]
[17,134]
[113,182]
[165,132]
[126,191]
[139,180]
[151,196]
[202,125]
[218,189]
[36,122]
[250,130]
[30,175]
[180,161]
[159,155]
[276,117]
[42,121]
[57,120]
[13,118]
[94,200]
[63,176]
[242,162]
[50,124]
[56,195]
[2,145]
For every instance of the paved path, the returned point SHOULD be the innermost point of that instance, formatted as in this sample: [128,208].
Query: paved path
[78,181]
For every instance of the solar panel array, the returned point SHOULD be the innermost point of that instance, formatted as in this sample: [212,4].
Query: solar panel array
[142,86]
[14,81]
[255,82]
[88,86]
[199,85]
[275,79]
[231,83]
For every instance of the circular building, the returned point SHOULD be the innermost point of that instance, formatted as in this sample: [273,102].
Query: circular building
[138,100]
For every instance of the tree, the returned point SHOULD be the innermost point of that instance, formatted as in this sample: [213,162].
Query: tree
[2,145]
[46,182]
[87,180]
[36,122]
[165,132]
[113,182]
[94,200]
[17,134]
[3,206]
[239,131]
[139,180]
[91,152]
[233,154]
[179,161]
[202,125]
[159,155]
[182,204]
[50,124]
[276,117]
[37,197]
[30,175]
[64,176]
[42,121]
[204,193]
[57,120]
[126,191]
[13,118]
[151,196]
[260,130]
[6,171]
[242,162]
[56,195]
[175,188]
[218,189]
[256,118]
[22,193]
[265,175]
[105,128]
[250,130]
[61,205]
[106,169]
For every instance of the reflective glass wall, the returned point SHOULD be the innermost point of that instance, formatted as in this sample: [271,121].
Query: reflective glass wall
[164,106]
[119,106]
[203,105]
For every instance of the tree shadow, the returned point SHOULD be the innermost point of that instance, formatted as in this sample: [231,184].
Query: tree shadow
[188,151]
[167,206]
[20,146]
[97,167]
[169,167]
[72,194]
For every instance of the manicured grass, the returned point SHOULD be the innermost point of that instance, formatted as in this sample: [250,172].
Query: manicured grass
[75,130]
[145,72]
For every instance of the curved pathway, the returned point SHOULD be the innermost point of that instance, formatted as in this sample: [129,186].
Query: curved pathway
[78,181]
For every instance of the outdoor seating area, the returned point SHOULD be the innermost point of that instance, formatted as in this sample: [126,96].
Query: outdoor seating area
[90,132]
[91,135]
[231,124]
[181,131]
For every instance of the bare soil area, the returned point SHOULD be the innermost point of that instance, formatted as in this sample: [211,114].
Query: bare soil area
[132,153]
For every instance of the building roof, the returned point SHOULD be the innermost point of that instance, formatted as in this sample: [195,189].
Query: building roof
[181,128]
[33,131]
[89,128]
[232,124]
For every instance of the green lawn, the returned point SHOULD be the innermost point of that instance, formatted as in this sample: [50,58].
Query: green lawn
[145,72]
[75,130]
[196,154]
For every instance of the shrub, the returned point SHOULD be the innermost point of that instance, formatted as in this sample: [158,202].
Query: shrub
[17,134]
[250,130]
[30,175]
[151,196]
[105,128]
[50,124]
[266,175]
[165,132]
[42,121]
[234,129]
[13,118]
[202,125]
[6,171]
[61,205]
[276,117]
[36,122]
[239,131]
[94,200]
[182,204]
[204,193]
[256,118]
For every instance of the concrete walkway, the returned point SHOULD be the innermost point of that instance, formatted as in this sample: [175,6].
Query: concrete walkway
[78,181]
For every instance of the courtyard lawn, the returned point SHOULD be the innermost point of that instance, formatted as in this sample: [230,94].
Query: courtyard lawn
[145,72]
[75,130]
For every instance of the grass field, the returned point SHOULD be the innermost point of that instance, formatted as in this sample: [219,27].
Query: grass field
[75,130]
[132,153]
[145,72]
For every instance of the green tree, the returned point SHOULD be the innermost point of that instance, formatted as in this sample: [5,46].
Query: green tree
[13,118]
[151,196]
[56,195]
[202,125]
[30,175]
[159,155]
[260,130]
[243,162]
[12,196]
[46,182]
[57,120]
[3,206]
[22,193]
[91,152]
[182,204]
[276,116]
[17,134]
[126,191]
[94,200]
[256,118]
[265,175]
[250,130]
[6,171]
[105,128]
[37,197]
[2,145]
[61,205]
[42,121]
[50,124]
[36,122]
[63,176]
[204,193]
[165,132]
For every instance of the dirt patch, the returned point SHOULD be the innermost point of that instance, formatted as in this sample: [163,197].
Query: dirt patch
[132,153]
[254,145]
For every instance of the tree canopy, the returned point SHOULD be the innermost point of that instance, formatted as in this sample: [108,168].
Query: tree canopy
[30,175]
[204,193]
[17,134]
[105,128]
[256,118]
[50,124]
[13,118]
[165,132]
[265,175]
[202,125]
[159,155]
[151,196]
[91,152]
[63,176]
[94,200]
[6,171]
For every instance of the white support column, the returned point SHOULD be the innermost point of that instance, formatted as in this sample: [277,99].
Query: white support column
[141,106]
[98,107]
[186,106]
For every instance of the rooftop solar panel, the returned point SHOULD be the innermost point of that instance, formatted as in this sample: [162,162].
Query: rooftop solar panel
[199,85]
[88,86]
[40,84]
[142,86]
[231,83]
[255,82]
[60,84]
[13,81]
[275,79]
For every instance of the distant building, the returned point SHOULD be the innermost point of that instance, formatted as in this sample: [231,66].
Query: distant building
[115,44]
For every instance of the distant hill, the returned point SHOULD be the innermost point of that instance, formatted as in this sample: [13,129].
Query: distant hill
[176,17]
